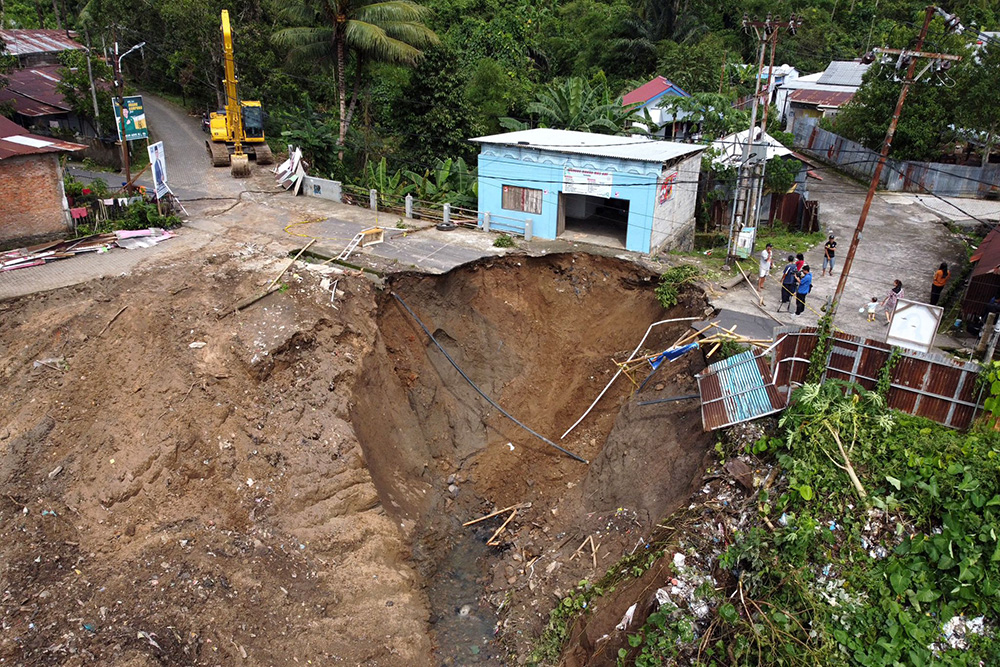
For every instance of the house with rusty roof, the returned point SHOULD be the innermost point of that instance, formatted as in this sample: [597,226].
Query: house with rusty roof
[32,91]
[38,47]
[819,95]
[33,205]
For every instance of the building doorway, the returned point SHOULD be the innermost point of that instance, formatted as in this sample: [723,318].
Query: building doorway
[589,219]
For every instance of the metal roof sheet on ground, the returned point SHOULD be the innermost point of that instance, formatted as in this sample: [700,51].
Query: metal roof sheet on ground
[747,324]
[823,98]
[736,390]
[588,143]
[16,141]
[25,42]
[651,89]
[844,73]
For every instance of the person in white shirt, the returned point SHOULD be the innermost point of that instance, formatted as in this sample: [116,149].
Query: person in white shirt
[765,267]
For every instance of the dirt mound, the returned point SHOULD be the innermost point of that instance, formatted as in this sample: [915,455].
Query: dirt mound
[172,503]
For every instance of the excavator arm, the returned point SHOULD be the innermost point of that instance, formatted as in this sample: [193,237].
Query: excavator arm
[239,162]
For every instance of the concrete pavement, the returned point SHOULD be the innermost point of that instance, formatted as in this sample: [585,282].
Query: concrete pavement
[903,239]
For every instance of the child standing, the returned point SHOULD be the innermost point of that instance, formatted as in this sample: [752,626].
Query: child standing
[872,307]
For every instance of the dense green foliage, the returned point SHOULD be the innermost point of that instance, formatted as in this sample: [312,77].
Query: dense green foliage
[412,82]
[867,571]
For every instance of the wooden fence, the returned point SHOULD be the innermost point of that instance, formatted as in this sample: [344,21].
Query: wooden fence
[927,385]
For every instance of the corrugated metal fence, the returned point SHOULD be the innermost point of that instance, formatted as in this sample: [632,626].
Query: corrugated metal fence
[927,385]
[947,180]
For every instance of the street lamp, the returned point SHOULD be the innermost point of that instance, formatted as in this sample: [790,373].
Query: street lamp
[120,85]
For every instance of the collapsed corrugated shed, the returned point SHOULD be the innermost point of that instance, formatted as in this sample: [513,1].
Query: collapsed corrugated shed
[736,390]
[833,99]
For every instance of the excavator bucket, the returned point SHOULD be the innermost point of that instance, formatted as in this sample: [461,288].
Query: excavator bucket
[239,166]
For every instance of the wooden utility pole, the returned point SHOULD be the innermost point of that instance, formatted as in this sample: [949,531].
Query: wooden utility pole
[120,89]
[904,56]
[750,178]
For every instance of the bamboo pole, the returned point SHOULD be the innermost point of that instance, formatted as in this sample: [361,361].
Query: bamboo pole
[519,506]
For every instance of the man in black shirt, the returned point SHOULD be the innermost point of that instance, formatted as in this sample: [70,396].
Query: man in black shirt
[829,251]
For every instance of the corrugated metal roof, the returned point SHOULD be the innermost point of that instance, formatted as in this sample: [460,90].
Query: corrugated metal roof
[736,390]
[648,91]
[987,255]
[26,42]
[844,73]
[731,148]
[588,143]
[16,141]
[34,91]
[823,98]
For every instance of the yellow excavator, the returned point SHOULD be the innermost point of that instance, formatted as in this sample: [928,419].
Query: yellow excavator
[237,131]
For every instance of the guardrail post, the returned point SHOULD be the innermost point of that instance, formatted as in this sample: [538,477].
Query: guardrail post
[447,213]
[486,221]
[528,229]
[409,206]
[373,199]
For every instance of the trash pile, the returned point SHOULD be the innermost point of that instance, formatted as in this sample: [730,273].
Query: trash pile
[43,253]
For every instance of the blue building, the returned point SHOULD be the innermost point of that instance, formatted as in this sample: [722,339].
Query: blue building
[627,192]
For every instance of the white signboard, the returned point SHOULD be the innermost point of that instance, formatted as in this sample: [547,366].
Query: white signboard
[914,325]
[584,182]
[744,242]
[158,166]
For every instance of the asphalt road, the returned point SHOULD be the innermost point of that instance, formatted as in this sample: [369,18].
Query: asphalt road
[189,172]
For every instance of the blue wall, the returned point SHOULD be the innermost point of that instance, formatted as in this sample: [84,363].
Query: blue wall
[632,180]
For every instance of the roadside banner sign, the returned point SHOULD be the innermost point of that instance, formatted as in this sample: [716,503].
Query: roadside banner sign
[158,165]
[135,118]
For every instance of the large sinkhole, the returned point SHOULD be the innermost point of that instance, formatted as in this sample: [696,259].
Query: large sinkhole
[538,335]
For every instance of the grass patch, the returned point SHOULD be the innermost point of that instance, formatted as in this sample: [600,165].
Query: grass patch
[787,241]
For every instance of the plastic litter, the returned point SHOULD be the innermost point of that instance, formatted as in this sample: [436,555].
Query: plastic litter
[627,618]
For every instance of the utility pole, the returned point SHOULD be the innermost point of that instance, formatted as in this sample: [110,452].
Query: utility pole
[93,89]
[120,86]
[910,58]
[751,176]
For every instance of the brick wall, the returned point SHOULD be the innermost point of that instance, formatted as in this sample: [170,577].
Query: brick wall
[32,203]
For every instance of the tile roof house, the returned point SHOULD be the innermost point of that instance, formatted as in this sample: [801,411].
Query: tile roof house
[33,203]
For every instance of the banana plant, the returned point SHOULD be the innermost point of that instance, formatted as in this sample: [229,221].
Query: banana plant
[391,185]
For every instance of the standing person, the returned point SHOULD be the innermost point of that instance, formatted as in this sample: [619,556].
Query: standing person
[872,307]
[889,302]
[829,251]
[800,261]
[805,286]
[787,284]
[940,278]
[766,259]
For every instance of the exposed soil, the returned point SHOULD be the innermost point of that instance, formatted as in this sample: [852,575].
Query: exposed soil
[293,490]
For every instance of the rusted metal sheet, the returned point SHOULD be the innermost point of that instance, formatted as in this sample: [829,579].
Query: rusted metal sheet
[27,42]
[736,390]
[15,141]
[923,384]
[938,177]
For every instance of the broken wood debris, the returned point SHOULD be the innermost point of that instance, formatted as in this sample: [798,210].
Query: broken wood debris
[43,253]
[519,506]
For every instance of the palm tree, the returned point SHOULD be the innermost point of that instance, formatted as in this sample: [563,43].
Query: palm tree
[576,104]
[327,32]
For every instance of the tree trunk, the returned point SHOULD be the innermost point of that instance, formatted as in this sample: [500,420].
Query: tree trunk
[354,94]
[55,10]
[341,94]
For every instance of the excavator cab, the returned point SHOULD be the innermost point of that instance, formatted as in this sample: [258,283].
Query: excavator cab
[253,120]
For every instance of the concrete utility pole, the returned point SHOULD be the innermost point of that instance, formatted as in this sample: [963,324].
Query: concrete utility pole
[909,58]
[750,179]
[120,86]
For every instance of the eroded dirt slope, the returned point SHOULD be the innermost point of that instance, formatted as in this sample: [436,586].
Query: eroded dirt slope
[170,503]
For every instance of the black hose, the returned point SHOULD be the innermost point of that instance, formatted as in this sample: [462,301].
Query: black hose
[480,391]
